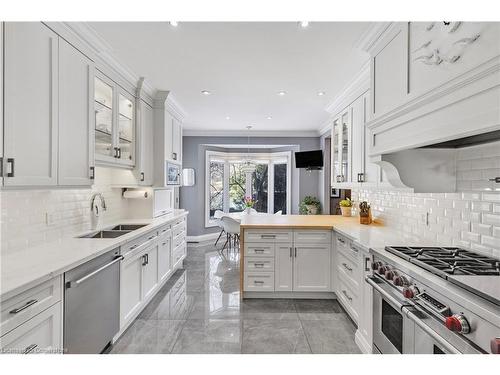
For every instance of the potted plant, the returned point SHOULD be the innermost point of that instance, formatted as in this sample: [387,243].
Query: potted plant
[346,207]
[310,206]
[249,203]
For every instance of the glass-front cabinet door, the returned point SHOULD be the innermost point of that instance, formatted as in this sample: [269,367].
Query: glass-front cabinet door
[114,123]
[341,149]
[126,129]
[103,102]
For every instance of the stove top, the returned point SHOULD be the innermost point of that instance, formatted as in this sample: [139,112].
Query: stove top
[445,261]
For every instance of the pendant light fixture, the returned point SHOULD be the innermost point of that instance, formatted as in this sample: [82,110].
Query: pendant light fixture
[248,166]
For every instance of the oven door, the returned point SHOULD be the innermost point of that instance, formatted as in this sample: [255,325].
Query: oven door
[393,331]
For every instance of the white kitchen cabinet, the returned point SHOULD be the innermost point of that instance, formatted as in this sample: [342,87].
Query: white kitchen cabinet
[283,268]
[342,147]
[389,69]
[76,117]
[167,136]
[311,268]
[1,101]
[150,272]
[40,334]
[145,140]
[114,123]
[30,104]
[131,289]
[164,256]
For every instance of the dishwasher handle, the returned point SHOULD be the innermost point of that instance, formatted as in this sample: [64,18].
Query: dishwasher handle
[71,284]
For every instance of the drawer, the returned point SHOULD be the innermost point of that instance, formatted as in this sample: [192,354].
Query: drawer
[259,282]
[257,264]
[179,253]
[164,230]
[177,241]
[263,235]
[178,222]
[259,249]
[41,334]
[348,268]
[312,236]
[348,297]
[347,247]
[179,228]
[24,306]
[140,242]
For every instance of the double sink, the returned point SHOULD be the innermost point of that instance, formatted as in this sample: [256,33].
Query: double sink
[114,232]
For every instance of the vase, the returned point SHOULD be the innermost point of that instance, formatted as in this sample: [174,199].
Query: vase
[346,211]
[248,210]
[312,209]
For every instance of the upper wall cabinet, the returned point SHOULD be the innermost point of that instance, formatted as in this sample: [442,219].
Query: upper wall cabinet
[146,140]
[430,81]
[30,97]
[167,137]
[48,126]
[114,124]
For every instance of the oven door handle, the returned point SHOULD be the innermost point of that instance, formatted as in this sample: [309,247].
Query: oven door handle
[440,340]
[378,287]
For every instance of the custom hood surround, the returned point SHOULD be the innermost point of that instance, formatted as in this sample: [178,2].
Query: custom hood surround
[431,83]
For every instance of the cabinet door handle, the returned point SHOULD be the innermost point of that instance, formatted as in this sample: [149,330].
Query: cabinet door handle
[258,282]
[347,267]
[30,348]
[116,152]
[267,236]
[361,177]
[367,267]
[144,260]
[496,179]
[295,252]
[24,307]
[92,173]
[119,153]
[259,250]
[291,253]
[142,176]
[12,165]
[347,295]
[174,155]
[258,265]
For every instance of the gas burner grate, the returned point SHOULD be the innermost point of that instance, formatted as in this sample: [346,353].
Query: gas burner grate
[448,260]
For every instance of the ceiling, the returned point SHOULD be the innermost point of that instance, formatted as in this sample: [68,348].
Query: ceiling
[244,65]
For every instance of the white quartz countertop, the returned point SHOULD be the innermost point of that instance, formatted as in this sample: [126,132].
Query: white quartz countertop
[23,269]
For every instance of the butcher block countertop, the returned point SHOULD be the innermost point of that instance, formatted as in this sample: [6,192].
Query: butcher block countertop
[298,221]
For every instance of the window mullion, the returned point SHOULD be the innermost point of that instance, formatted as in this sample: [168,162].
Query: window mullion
[270,187]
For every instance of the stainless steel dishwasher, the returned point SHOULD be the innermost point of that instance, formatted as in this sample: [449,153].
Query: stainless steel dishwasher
[92,304]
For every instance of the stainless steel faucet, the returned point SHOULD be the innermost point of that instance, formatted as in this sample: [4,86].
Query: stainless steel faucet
[92,200]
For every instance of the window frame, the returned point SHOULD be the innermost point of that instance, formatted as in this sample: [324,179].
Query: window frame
[228,157]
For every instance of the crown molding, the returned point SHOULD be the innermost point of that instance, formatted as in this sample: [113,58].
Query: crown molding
[325,128]
[368,39]
[354,89]
[165,99]
[244,133]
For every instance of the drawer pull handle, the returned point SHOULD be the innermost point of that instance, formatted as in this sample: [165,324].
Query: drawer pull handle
[19,309]
[341,240]
[258,265]
[258,282]
[30,348]
[150,238]
[347,267]
[267,236]
[163,244]
[347,295]
[133,247]
[355,249]
[259,250]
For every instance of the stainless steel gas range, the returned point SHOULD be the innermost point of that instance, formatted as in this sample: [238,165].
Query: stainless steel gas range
[416,312]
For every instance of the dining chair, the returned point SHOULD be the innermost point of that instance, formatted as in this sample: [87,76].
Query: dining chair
[218,214]
[232,229]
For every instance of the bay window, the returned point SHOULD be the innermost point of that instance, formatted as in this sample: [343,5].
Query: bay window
[228,183]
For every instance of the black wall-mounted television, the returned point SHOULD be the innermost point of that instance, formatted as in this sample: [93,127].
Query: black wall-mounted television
[309,159]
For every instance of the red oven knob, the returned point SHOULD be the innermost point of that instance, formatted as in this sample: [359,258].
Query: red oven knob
[389,275]
[457,323]
[376,265]
[495,346]
[400,281]
[410,291]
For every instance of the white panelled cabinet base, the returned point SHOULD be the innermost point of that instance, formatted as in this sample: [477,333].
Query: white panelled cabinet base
[31,322]
[287,263]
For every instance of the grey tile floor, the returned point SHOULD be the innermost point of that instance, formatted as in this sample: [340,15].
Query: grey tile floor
[207,316]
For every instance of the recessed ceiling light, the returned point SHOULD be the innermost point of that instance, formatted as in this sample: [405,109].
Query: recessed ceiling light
[228,118]
[281,93]
[304,24]
[269,118]
[174,23]
[321,93]
[206,92]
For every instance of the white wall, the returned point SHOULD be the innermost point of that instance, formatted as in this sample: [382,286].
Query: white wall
[23,220]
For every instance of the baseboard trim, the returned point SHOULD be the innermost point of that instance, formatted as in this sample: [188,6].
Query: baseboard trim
[203,238]
[301,295]
[362,344]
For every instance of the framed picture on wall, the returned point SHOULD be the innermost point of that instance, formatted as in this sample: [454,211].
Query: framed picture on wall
[335,193]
